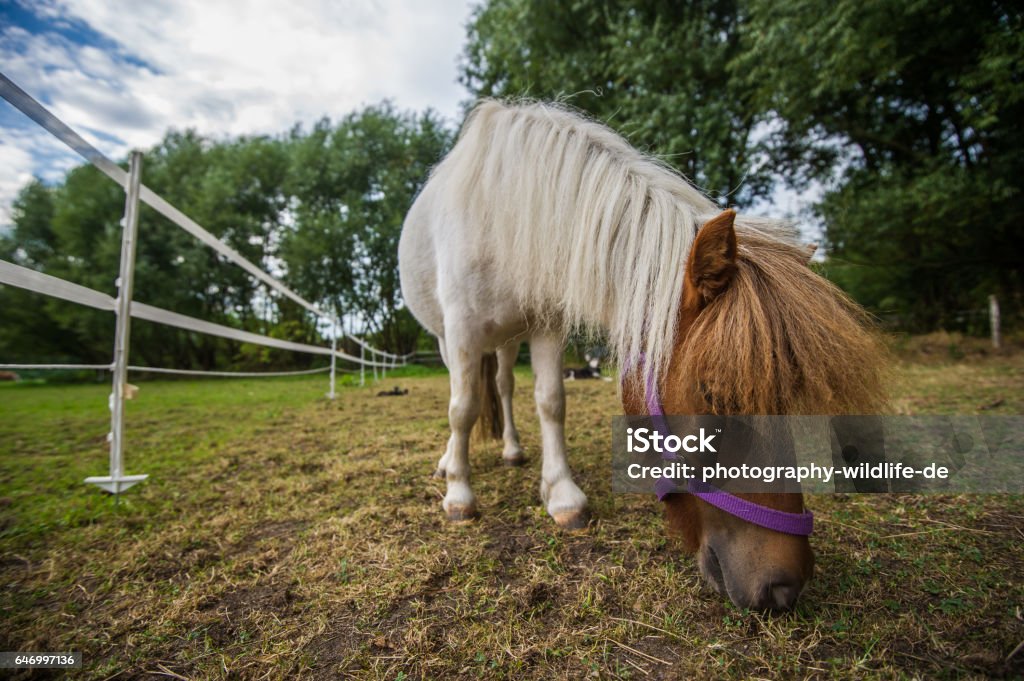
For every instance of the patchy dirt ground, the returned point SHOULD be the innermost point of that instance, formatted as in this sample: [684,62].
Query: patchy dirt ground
[283,536]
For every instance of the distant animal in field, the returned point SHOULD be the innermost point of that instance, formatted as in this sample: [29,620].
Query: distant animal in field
[394,392]
[711,312]
[9,376]
[591,370]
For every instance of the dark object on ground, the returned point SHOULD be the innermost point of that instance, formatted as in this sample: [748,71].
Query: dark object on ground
[394,392]
[582,372]
[592,370]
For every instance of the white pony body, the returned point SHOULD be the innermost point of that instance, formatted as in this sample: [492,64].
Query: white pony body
[539,222]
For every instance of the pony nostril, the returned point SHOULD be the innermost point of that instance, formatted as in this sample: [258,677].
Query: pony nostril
[712,569]
[778,595]
[784,596]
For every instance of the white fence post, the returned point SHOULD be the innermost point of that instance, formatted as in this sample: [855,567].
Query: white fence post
[362,366]
[993,320]
[117,481]
[334,358]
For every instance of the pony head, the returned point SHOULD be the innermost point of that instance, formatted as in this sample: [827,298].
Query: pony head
[758,333]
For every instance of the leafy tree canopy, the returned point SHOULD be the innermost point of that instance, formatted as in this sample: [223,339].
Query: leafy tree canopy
[907,112]
[322,208]
[656,71]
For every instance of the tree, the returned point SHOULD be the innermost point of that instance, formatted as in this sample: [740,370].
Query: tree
[657,71]
[910,113]
[352,186]
[72,231]
[907,112]
[28,333]
[322,209]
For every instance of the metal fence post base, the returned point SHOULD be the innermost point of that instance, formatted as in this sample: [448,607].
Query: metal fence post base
[115,485]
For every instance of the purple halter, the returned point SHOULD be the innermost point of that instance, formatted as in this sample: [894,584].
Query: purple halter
[801,524]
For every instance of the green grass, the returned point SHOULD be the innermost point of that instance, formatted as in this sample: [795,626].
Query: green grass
[282,535]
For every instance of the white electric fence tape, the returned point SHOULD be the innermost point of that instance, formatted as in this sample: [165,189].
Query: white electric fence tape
[31,367]
[374,350]
[164,370]
[234,374]
[22,277]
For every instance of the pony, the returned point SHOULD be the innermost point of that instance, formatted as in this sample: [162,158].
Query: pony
[540,223]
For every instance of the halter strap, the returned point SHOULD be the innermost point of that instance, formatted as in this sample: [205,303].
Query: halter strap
[800,524]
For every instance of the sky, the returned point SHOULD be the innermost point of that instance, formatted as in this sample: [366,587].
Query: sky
[123,73]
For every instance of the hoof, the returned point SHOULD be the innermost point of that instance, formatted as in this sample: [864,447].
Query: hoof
[514,460]
[572,520]
[459,513]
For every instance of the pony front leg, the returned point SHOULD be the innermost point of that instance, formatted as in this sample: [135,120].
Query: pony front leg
[442,464]
[463,409]
[563,499]
[512,454]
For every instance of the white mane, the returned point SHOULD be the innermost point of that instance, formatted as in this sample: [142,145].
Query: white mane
[585,230]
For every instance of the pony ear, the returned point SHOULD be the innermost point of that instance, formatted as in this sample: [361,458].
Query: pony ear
[713,257]
[811,250]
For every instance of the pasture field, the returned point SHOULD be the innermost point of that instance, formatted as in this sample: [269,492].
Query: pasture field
[285,536]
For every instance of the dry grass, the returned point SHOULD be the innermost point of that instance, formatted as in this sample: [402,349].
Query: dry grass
[284,536]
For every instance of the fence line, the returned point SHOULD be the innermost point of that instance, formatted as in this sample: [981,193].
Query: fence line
[125,308]
[29,279]
[235,374]
[23,277]
[70,367]
[38,113]
[165,370]
[361,343]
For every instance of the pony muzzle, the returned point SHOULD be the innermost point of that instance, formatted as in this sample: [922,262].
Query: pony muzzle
[752,577]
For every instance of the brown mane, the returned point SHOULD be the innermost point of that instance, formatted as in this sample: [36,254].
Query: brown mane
[780,339]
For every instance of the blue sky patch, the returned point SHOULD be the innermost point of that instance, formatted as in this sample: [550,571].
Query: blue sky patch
[36,21]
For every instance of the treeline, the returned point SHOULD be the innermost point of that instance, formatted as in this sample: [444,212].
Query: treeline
[906,113]
[322,208]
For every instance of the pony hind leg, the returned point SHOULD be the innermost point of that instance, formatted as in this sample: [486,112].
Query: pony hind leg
[512,453]
[464,360]
[565,502]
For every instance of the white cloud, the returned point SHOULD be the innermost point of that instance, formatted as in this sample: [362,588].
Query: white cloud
[230,68]
[15,160]
[26,153]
